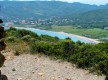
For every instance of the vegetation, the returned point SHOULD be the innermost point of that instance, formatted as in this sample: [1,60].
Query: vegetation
[41,9]
[95,33]
[86,56]
[77,18]
[44,14]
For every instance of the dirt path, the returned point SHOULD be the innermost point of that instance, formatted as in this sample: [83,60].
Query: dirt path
[30,67]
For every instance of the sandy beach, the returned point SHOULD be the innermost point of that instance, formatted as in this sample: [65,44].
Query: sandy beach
[82,37]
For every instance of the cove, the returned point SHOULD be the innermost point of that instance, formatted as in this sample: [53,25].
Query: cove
[60,35]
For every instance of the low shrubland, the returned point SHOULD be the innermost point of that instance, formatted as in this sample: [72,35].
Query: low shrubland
[86,56]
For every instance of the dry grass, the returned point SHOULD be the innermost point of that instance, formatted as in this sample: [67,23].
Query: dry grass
[18,46]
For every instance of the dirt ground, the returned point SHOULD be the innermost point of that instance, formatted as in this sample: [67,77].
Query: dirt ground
[33,67]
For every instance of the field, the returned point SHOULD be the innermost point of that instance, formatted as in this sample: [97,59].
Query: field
[95,33]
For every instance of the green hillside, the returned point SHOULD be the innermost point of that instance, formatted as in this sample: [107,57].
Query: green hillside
[17,9]
[86,56]
[93,19]
[48,13]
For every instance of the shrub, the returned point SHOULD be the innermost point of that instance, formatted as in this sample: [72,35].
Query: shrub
[26,38]
[23,32]
[16,53]
[88,56]
[11,39]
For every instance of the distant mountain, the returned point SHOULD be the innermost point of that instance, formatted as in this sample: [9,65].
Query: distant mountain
[94,15]
[95,18]
[55,12]
[27,9]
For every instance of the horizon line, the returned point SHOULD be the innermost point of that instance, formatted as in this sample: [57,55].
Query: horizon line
[50,1]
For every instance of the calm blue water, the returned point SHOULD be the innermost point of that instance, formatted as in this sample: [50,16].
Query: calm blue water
[58,34]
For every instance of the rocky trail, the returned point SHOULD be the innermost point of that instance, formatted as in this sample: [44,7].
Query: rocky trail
[34,67]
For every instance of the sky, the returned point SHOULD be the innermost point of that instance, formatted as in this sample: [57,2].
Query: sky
[97,2]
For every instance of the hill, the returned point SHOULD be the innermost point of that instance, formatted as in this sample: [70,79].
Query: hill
[47,13]
[92,19]
[87,56]
[38,9]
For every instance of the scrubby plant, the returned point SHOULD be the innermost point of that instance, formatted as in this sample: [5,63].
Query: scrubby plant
[23,32]
[16,53]
[11,39]
[26,38]
[83,55]
[87,56]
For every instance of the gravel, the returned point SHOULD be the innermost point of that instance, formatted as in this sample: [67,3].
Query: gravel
[33,67]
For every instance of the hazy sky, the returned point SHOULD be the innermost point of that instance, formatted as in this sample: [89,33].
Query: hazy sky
[98,2]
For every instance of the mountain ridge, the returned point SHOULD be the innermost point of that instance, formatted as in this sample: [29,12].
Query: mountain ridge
[54,12]
[44,7]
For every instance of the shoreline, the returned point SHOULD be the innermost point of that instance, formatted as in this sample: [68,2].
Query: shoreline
[82,37]
[90,40]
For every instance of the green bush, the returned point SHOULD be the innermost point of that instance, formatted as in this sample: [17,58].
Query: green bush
[26,38]
[87,56]
[19,33]
[11,39]
[83,55]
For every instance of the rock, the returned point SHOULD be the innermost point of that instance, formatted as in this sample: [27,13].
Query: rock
[19,79]
[67,79]
[66,67]
[13,69]
[24,70]
[40,74]
[106,76]
[53,78]
[2,59]
[33,72]
[3,77]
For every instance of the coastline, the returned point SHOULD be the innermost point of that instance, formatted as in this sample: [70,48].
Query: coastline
[90,40]
[82,37]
